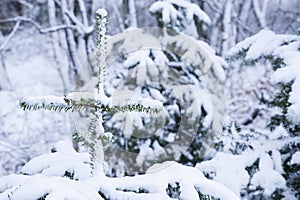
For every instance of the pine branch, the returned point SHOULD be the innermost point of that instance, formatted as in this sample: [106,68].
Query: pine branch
[45,106]
[66,104]
[132,108]
[53,103]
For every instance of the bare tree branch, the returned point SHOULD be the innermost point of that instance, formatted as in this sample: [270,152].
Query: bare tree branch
[25,3]
[38,26]
[10,36]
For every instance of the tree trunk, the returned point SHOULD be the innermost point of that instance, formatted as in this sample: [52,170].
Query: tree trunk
[4,80]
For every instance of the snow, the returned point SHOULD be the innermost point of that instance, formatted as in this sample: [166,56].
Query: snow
[101,12]
[101,97]
[77,96]
[44,100]
[276,157]
[278,132]
[263,43]
[267,177]
[267,43]
[16,148]
[191,47]
[294,99]
[295,158]
[169,172]
[190,179]
[129,97]
[55,187]
[56,164]
[225,165]
[170,13]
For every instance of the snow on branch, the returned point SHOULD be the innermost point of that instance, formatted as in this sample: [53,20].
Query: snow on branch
[170,11]
[45,102]
[71,103]
[46,177]
[261,44]
[268,45]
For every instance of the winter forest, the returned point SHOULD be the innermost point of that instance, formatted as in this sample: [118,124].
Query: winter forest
[133,99]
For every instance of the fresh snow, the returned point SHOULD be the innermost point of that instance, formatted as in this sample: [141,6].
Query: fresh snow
[55,164]
[170,13]
[233,175]
[295,158]
[155,181]
[267,177]
[102,12]
[267,43]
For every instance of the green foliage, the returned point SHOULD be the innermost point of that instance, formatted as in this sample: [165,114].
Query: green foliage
[43,197]
[93,137]
[292,171]
[72,105]
[173,190]
[69,174]
[281,100]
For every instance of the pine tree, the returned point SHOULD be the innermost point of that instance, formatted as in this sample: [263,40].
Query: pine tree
[48,170]
[272,116]
[93,137]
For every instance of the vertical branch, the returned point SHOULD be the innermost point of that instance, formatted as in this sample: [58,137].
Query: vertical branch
[242,28]
[55,44]
[132,14]
[226,26]
[70,38]
[260,12]
[119,17]
[101,21]
[4,80]
[100,97]
[83,11]
[83,41]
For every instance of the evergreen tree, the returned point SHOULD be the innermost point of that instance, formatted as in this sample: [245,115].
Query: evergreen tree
[47,170]
[264,118]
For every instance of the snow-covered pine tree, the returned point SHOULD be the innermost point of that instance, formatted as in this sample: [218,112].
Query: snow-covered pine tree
[263,136]
[181,72]
[65,174]
[181,16]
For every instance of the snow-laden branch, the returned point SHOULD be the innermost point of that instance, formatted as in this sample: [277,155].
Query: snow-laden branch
[83,29]
[267,44]
[45,174]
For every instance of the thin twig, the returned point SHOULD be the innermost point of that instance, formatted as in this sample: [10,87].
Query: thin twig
[10,36]
[38,26]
